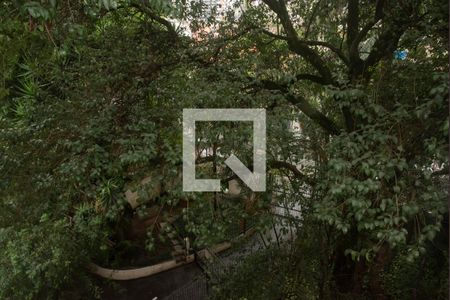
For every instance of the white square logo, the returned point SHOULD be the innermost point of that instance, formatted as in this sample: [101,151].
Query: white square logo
[255,180]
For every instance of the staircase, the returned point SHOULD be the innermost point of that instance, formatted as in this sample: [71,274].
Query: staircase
[178,244]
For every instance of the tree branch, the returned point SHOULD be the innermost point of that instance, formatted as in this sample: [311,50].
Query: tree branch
[311,19]
[271,34]
[393,28]
[301,103]
[295,44]
[314,114]
[362,34]
[150,13]
[276,164]
[444,171]
[311,77]
[334,49]
[279,7]
[352,25]
[384,46]
[331,47]
[204,159]
[224,41]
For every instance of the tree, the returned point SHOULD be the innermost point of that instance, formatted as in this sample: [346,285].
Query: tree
[92,99]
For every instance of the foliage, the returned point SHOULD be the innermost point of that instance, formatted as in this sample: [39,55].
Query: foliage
[267,274]
[91,99]
[380,177]
[425,279]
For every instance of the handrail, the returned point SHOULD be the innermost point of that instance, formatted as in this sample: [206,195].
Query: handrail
[130,274]
[120,274]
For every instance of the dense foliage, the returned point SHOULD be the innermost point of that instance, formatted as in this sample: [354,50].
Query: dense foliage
[91,101]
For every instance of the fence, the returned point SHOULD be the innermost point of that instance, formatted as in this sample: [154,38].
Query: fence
[214,268]
[194,290]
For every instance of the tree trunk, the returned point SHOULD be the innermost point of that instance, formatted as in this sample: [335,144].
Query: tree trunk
[375,284]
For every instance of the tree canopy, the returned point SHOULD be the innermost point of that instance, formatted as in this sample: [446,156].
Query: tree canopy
[91,101]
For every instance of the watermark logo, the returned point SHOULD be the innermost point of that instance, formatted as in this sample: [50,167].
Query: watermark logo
[255,180]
